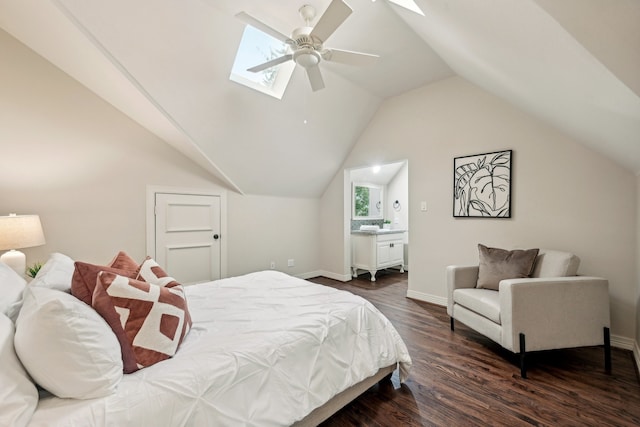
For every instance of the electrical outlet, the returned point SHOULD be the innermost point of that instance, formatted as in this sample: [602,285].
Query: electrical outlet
[273,265]
[291,262]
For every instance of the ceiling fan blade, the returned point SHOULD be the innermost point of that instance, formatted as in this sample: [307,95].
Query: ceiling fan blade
[270,63]
[315,78]
[332,18]
[248,19]
[348,57]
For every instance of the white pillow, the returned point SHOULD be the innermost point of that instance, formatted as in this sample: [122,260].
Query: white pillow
[56,273]
[18,395]
[11,287]
[66,346]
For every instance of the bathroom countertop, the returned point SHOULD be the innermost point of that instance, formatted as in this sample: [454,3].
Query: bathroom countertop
[379,231]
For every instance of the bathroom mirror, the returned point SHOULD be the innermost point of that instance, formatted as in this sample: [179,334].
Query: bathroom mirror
[367,201]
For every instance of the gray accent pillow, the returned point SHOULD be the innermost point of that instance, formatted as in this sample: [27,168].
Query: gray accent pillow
[499,264]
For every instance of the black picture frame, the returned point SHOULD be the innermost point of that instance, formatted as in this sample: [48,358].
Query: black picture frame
[482,185]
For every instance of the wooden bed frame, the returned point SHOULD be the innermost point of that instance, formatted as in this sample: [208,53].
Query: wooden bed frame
[341,399]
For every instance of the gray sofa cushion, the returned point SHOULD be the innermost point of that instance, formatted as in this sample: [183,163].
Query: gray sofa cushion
[499,264]
[484,302]
[551,263]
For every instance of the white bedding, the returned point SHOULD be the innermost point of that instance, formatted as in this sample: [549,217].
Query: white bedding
[265,350]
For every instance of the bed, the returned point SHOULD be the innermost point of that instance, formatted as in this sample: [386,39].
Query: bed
[264,349]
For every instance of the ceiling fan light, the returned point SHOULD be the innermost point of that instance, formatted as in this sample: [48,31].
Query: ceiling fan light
[307,58]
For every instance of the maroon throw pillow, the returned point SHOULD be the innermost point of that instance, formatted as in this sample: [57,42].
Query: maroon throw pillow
[150,321]
[83,281]
[123,261]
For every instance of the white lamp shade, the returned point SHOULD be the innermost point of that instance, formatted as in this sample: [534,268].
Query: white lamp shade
[20,231]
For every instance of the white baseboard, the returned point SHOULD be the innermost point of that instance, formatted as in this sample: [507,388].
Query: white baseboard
[622,342]
[433,299]
[636,356]
[309,275]
[327,274]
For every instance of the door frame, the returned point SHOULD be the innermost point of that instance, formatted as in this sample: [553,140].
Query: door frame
[152,190]
[347,211]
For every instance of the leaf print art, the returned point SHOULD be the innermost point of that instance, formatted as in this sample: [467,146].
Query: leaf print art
[482,185]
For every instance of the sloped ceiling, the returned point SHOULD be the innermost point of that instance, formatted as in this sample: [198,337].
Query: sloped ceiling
[165,63]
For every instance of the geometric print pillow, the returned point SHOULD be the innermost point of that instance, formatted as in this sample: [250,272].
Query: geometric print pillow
[124,262]
[150,321]
[150,271]
[85,277]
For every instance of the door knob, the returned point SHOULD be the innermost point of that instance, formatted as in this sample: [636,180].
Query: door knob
[216,237]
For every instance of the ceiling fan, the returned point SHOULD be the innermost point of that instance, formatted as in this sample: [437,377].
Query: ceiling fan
[307,43]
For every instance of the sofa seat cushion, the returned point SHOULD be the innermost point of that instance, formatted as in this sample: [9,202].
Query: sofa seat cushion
[485,302]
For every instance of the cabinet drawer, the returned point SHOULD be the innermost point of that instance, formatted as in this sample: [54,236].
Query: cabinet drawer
[389,237]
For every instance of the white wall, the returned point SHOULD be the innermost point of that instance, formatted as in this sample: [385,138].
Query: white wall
[84,167]
[565,196]
[637,299]
[275,229]
[398,189]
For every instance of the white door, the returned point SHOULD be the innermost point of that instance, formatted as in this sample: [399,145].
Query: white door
[187,235]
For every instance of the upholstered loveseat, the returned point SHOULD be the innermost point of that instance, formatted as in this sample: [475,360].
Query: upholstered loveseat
[553,308]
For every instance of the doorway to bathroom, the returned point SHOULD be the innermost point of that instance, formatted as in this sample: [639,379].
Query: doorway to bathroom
[376,218]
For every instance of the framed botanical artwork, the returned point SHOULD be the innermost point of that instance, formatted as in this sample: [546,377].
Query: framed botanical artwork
[482,185]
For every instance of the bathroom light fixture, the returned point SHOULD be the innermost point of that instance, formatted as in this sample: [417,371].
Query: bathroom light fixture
[376,168]
[17,232]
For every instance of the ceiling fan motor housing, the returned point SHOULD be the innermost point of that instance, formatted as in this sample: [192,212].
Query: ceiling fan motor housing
[303,39]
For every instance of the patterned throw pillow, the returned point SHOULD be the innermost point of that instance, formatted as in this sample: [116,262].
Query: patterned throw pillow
[150,321]
[123,261]
[85,276]
[150,271]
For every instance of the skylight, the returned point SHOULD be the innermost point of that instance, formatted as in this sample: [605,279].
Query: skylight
[256,48]
[409,4]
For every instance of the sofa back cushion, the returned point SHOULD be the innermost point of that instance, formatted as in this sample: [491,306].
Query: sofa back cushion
[550,263]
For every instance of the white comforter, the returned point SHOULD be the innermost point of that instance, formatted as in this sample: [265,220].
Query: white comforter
[265,350]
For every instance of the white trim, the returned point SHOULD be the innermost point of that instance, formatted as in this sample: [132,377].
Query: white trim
[150,217]
[330,275]
[636,356]
[433,299]
[309,275]
[346,227]
[622,342]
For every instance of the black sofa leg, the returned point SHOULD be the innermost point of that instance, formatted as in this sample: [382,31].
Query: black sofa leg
[523,352]
[607,350]
[451,323]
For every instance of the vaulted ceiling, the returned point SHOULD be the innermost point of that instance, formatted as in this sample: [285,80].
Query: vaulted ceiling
[166,64]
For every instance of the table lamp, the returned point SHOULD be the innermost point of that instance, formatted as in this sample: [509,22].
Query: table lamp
[17,232]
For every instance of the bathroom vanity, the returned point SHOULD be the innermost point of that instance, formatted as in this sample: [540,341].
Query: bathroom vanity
[373,250]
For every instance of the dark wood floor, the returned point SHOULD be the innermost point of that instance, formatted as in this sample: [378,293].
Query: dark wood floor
[464,379]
